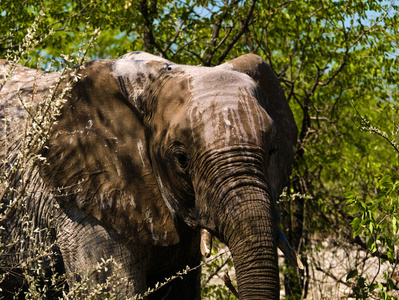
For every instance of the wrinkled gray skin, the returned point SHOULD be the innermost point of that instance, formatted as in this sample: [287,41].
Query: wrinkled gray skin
[146,153]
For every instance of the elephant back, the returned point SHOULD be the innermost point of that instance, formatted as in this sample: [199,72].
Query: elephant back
[26,202]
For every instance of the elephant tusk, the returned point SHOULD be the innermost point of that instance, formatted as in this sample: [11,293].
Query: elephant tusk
[284,246]
[206,243]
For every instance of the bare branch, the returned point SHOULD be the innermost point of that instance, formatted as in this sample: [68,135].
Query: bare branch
[244,28]
[227,282]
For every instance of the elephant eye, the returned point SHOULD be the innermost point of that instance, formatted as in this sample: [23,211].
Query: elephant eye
[182,160]
[178,156]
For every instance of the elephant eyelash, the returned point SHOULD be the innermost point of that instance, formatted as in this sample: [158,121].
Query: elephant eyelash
[178,153]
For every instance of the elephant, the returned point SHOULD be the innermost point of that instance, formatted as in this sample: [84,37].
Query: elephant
[146,160]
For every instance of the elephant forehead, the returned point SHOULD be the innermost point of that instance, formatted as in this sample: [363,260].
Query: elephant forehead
[224,109]
[230,123]
[215,79]
[136,75]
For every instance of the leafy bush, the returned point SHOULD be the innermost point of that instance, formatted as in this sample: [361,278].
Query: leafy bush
[376,222]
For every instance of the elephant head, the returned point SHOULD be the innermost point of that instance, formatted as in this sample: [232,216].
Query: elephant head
[142,142]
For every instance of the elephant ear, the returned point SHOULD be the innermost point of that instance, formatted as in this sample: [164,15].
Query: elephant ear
[272,99]
[97,157]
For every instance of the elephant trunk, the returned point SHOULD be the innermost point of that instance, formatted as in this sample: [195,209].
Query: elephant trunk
[251,235]
[245,219]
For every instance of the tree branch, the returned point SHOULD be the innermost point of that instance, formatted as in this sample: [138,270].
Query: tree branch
[244,28]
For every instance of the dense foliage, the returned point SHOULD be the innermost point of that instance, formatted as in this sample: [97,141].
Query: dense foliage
[337,61]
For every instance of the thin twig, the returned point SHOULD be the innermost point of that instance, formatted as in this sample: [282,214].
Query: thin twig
[227,282]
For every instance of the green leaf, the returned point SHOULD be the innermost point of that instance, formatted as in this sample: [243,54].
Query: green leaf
[390,255]
[371,227]
[383,294]
[390,243]
[361,281]
[353,273]
[358,231]
[349,195]
[363,205]
[390,284]
[386,178]
[355,223]
[373,286]
[350,202]
[380,197]
[371,245]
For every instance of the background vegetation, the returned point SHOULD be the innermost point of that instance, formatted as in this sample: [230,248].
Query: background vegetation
[338,64]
